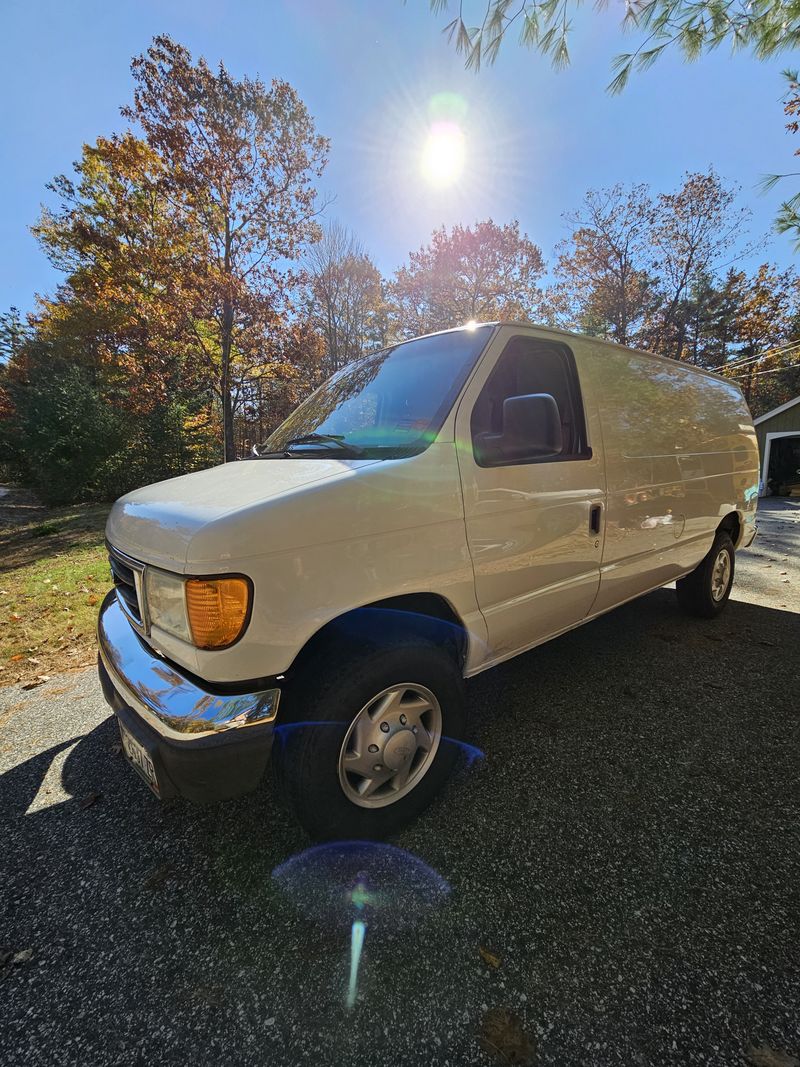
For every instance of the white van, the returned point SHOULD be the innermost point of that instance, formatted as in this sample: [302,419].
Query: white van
[432,510]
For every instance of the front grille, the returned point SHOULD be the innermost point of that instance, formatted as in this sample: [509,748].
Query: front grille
[125,577]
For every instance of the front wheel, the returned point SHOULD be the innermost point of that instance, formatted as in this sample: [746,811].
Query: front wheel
[370,740]
[706,590]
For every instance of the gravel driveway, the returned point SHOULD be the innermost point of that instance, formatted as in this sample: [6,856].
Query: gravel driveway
[627,849]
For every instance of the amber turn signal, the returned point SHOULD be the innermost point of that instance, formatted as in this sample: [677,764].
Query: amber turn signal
[217,610]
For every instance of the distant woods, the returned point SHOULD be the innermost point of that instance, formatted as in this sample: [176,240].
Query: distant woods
[205,293]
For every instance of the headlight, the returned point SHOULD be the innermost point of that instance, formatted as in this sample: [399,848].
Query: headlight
[166,603]
[205,612]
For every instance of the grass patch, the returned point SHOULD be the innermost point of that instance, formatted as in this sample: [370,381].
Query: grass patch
[53,576]
[45,529]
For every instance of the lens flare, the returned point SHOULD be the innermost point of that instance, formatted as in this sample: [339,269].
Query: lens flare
[358,930]
[369,881]
[443,154]
[361,884]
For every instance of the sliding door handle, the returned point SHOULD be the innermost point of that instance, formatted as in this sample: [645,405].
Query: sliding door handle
[595,516]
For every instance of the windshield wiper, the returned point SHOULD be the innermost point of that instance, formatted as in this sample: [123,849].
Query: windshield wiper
[337,440]
[256,454]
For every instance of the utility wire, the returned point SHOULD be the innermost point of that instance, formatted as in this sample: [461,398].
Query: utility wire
[778,350]
[761,373]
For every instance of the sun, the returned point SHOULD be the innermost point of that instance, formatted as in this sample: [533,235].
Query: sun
[442,160]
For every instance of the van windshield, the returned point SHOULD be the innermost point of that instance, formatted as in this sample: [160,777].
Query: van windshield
[386,405]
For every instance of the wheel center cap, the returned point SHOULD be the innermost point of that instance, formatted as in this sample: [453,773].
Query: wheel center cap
[399,749]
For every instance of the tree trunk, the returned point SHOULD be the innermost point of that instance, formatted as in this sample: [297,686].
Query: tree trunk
[227,403]
[226,345]
[747,388]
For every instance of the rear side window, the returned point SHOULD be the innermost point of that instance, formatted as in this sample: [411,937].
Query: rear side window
[530,365]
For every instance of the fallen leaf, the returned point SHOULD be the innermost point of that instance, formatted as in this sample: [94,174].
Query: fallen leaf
[33,685]
[159,876]
[92,600]
[17,658]
[15,617]
[489,958]
[23,957]
[765,1056]
[115,749]
[89,800]
[502,1035]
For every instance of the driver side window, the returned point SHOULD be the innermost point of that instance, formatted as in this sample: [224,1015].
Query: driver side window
[528,366]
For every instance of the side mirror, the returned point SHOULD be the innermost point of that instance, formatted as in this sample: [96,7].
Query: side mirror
[531,430]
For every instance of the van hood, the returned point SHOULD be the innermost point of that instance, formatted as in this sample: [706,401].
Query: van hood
[156,524]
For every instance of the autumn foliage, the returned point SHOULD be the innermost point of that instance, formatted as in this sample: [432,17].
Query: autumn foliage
[204,295]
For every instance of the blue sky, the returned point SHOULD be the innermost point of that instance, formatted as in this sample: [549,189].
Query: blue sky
[367,69]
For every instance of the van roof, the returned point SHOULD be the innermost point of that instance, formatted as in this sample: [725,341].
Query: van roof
[556,332]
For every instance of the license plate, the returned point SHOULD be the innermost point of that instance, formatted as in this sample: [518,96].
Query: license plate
[139,759]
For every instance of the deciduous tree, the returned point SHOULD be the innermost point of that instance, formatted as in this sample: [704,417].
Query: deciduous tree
[345,296]
[644,270]
[128,302]
[242,158]
[766,318]
[693,232]
[481,272]
[605,280]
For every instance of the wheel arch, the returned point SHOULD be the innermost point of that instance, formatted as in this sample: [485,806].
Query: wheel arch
[430,615]
[732,525]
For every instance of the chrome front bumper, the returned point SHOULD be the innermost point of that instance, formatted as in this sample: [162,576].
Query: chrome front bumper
[176,707]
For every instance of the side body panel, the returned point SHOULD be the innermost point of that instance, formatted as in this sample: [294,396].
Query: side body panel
[537,564]
[680,454]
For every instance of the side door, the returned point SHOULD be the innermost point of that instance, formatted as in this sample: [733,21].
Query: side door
[534,524]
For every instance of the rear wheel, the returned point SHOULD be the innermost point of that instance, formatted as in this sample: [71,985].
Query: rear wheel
[706,590]
[369,740]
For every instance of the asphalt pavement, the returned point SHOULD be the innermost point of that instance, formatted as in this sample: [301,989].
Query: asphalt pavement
[625,853]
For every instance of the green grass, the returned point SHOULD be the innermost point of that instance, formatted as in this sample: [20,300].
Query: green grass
[53,575]
[45,529]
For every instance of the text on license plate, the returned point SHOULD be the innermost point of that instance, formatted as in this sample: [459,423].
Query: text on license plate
[138,756]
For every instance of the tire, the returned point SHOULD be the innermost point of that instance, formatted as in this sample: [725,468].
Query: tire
[705,592]
[320,737]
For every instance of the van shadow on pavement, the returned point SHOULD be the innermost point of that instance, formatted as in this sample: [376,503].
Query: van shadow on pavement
[628,847]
